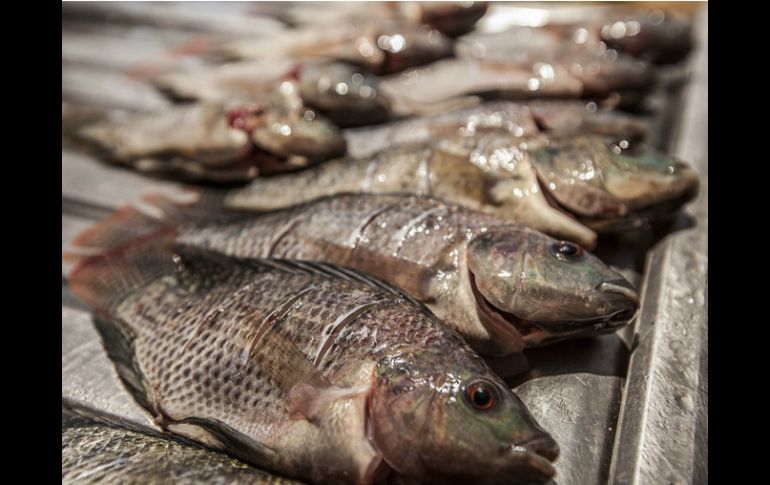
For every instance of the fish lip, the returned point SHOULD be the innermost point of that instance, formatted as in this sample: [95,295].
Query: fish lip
[622,287]
[534,333]
[534,459]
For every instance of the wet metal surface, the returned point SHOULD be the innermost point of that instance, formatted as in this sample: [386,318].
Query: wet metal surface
[663,426]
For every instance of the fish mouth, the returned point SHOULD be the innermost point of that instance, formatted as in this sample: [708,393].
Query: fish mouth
[520,333]
[628,219]
[538,454]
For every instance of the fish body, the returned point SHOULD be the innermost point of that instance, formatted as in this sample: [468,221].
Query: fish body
[502,287]
[553,55]
[494,172]
[311,371]
[219,142]
[520,119]
[380,47]
[95,452]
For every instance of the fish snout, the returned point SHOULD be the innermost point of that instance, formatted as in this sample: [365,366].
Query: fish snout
[544,446]
[625,301]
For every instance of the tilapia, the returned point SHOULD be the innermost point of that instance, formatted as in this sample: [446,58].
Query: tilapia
[220,142]
[380,47]
[96,452]
[309,370]
[346,95]
[550,117]
[502,287]
[498,173]
[524,63]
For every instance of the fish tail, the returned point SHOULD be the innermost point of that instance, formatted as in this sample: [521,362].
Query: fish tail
[109,274]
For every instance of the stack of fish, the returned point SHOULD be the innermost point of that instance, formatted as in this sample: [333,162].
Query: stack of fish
[345,322]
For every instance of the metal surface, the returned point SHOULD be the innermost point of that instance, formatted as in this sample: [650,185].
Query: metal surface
[626,408]
[663,424]
[88,379]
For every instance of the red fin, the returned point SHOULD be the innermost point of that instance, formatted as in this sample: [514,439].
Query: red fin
[122,226]
[106,278]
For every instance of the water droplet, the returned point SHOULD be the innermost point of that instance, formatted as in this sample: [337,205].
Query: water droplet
[341,88]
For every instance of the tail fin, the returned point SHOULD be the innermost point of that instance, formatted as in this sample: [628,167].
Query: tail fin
[106,278]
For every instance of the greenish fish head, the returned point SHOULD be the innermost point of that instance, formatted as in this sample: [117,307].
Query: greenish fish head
[461,424]
[544,289]
[607,182]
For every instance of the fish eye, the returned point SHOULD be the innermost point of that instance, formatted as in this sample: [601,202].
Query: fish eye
[567,250]
[481,395]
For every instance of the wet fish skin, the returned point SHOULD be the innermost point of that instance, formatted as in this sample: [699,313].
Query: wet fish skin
[95,452]
[442,255]
[382,47]
[442,169]
[521,119]
[348,96]
[294,367]
[450,18]
[202,141]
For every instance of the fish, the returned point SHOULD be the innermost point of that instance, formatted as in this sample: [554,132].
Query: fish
[450,18]
[520,119]
[495,172]
[553,55]
[524,63]
[219,142]
[504,288]
[346,95]
[382,47]
[655,35]
[312,371]
[97,452]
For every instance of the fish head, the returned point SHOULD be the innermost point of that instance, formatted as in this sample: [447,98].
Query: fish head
[347,95]
[406,46]
[455,422]
[543,289]
[602,180]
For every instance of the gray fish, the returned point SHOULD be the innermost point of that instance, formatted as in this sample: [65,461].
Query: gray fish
[520,119]
[494,172]
[502,287]
[380,47]
[348,96]
[214,141]
[523,63]
[96,452]
[310,370]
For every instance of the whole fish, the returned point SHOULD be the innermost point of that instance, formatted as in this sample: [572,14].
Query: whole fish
[310,370]
[346,95]
[550,117]
[96,452]
[502,287]
[523,63]
[380,47]
[220,142]
[496,173]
